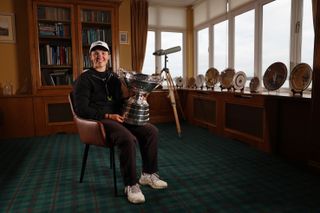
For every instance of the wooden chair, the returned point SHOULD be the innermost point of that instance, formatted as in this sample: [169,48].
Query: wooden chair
[92,132]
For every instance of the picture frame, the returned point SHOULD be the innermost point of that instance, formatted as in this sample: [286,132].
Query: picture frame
[124,37]
[7,28]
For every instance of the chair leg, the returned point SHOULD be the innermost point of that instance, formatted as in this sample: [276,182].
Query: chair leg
[84,161]
[114,171]
[111,159]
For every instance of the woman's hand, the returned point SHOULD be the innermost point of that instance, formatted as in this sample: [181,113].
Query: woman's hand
[115,117]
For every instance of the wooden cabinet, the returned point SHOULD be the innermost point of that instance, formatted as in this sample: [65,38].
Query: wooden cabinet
[52,115]
[244,118]
[293,129]
[16,116]
[60,36]
[202,109]
[160,108]
[235,115]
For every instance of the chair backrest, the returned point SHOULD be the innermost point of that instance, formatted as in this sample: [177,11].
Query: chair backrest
[90,131]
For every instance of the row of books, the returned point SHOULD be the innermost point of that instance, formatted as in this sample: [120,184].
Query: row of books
[63,14]
[57,29]
[55,55]
[94,34]
[95,16]
[53,13]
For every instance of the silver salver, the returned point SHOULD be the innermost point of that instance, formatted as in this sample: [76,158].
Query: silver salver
[136,108]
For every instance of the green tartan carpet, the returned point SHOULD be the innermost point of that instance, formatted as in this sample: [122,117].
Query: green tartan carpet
[205,173]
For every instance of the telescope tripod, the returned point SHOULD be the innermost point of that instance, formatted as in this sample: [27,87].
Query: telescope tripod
[172,94]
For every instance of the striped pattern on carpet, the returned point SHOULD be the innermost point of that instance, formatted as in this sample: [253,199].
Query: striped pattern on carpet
[205,173]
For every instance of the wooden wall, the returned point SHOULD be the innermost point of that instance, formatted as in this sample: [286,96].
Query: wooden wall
[314,152]
[16,117]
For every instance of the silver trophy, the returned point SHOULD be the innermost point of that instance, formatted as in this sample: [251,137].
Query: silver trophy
[136,108]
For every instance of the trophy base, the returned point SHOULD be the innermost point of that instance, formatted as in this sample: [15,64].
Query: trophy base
[135,121]
[136,114]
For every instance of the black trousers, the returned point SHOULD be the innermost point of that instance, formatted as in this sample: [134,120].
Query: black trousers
[126,137]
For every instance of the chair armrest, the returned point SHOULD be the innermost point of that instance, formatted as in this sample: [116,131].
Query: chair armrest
[91,131]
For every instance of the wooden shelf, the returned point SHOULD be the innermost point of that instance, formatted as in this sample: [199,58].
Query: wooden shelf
[95,24]
[49,21]
[54,38]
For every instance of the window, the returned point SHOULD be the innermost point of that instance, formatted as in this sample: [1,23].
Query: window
[203,51]
[276,34]
[220,46]
[252,37]
[244,43]
[307,34]
[175,60]
[149,58]
[168,24]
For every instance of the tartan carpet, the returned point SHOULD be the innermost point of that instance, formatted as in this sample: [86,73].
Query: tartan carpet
[205,173]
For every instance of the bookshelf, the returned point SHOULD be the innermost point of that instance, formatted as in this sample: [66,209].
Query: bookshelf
[60,34]
[95,24]
[55,44]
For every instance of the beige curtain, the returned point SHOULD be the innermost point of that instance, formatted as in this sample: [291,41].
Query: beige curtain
[139,31]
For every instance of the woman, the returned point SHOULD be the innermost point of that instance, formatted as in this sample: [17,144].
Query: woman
[98,95]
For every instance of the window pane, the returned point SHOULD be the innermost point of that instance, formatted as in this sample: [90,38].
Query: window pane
[244,43]
[149,59]
[307,45]
[220,46]
[203,51]
[175,60]
[276,34]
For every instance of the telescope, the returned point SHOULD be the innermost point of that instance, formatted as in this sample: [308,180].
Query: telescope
[172,91]
[167,51]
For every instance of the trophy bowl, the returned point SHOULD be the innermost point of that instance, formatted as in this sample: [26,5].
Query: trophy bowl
[136,108]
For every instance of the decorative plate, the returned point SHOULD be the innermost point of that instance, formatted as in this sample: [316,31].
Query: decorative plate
[211,77]
[300,77]
[239,80]
[254,84]
[275,76]
[191,82]
[179,81]
[200,79]
[226,78]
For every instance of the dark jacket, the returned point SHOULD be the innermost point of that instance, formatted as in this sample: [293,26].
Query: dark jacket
[97,93]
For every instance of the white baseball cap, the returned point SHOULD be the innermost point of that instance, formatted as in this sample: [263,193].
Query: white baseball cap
[101,45]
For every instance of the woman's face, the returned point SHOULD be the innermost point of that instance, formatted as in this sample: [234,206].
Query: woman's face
[99,59]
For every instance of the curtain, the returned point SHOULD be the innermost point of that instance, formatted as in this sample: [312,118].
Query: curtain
[314,12]
[316,62]
[139,31]
[314,147]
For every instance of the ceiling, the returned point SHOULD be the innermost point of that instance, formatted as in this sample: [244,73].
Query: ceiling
[180,3]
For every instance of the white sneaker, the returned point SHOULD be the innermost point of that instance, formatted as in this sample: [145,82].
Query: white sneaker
[152,180]
[134,194]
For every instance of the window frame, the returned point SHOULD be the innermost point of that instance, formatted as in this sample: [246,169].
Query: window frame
[158,31]
[257,6]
